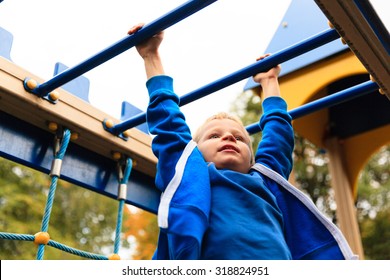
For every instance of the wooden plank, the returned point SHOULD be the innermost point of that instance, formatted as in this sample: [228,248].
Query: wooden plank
[73,113]
[357,32]
[346,211]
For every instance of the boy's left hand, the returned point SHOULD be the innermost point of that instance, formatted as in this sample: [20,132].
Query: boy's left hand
[272,73]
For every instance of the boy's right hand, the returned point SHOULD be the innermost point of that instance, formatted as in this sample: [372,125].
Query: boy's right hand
[149,46]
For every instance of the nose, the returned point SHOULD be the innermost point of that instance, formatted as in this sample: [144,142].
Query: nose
[229,137]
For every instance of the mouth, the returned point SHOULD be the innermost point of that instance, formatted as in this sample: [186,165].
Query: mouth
[229,148]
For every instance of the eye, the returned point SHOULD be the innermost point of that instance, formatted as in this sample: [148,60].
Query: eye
[239,138]
[214,136]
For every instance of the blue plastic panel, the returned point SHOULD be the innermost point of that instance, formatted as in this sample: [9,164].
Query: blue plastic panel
[303,19]
[6,40]
[128,111]
[78,86]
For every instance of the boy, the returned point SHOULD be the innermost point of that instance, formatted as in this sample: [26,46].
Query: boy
[218,200]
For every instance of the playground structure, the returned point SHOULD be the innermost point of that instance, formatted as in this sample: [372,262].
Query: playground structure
[33,112]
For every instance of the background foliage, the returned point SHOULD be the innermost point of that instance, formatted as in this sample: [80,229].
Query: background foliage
[80,218]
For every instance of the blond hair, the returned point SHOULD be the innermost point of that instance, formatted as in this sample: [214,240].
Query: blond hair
[220,116]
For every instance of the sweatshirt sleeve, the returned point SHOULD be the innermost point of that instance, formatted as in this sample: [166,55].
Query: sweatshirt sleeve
[185,203]
[167,123]
[277,143]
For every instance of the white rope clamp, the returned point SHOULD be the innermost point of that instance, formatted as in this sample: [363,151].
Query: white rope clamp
[56,167]
[124,169]
[122,193]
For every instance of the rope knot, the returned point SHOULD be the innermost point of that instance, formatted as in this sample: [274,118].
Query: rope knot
[41,238]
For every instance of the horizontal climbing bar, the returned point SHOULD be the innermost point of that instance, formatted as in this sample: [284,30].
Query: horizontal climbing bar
[260,66]
[325,102]
[121,46]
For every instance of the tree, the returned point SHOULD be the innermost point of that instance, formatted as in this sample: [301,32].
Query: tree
[373,205]
[143,230]
[80,218]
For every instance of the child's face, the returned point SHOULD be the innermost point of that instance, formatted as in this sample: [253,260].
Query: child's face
[225,143]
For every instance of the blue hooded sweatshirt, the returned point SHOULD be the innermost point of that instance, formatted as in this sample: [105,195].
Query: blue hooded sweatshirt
[208,213]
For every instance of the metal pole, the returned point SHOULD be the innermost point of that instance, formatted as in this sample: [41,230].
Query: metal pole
[325,102]
[126,43]
[260,66]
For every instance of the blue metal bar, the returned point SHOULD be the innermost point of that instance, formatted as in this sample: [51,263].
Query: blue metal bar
[325,102]
[260,66]
[126,43]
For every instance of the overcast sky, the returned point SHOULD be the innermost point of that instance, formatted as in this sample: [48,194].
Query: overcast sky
[220,39]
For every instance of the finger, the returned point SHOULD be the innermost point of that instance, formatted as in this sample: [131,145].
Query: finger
[263,56]
[135,28]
